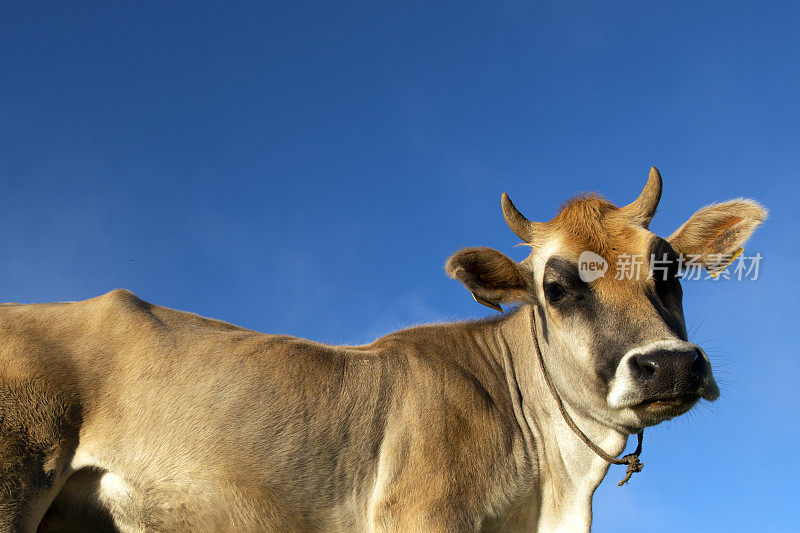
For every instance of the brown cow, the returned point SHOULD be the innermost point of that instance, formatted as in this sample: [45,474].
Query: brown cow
[119,415]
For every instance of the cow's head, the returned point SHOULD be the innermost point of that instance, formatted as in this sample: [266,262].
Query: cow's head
[608,300]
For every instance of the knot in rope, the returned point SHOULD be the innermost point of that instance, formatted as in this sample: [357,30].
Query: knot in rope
[634,466]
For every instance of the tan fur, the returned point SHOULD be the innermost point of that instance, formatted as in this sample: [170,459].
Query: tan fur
[590,222]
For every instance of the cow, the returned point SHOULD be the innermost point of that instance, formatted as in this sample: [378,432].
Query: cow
[120,415]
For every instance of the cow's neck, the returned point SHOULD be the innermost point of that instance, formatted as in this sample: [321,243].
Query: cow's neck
[566,472]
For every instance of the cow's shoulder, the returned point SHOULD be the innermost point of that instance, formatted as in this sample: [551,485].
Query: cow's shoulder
[455,430]
[455,392]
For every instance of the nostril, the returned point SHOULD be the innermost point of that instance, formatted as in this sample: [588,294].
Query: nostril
[698,369]
[644,366]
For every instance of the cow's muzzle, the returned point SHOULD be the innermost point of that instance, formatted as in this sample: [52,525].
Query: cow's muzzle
[663,380]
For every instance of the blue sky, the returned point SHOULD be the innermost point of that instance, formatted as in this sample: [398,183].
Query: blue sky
[307,168]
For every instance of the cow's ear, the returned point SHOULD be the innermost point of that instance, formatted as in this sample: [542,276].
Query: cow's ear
[716,233]
[491,277]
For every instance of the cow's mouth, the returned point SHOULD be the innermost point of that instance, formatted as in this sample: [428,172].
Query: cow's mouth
[668,406]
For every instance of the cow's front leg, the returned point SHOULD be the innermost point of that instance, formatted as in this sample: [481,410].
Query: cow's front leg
[38,433]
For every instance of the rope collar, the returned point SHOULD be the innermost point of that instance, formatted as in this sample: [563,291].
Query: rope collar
[632,459]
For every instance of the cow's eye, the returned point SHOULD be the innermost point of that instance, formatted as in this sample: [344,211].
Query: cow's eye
[554,292]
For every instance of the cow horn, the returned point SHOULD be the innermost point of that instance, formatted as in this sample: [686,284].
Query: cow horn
[644,207]
[516,220]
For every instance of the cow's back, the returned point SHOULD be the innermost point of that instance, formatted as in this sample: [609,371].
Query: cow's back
[239,427]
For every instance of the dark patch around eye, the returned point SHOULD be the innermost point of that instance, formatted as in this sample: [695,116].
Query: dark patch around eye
[663,259]
[564,272]
[666,294]
[563,287]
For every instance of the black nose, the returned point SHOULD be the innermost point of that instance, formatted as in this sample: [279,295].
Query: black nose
[670,368]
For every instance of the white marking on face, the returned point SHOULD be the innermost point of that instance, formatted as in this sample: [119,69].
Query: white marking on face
[625,390]
[540,258]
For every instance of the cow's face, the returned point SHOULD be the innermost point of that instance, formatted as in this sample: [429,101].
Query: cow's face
[607,298]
